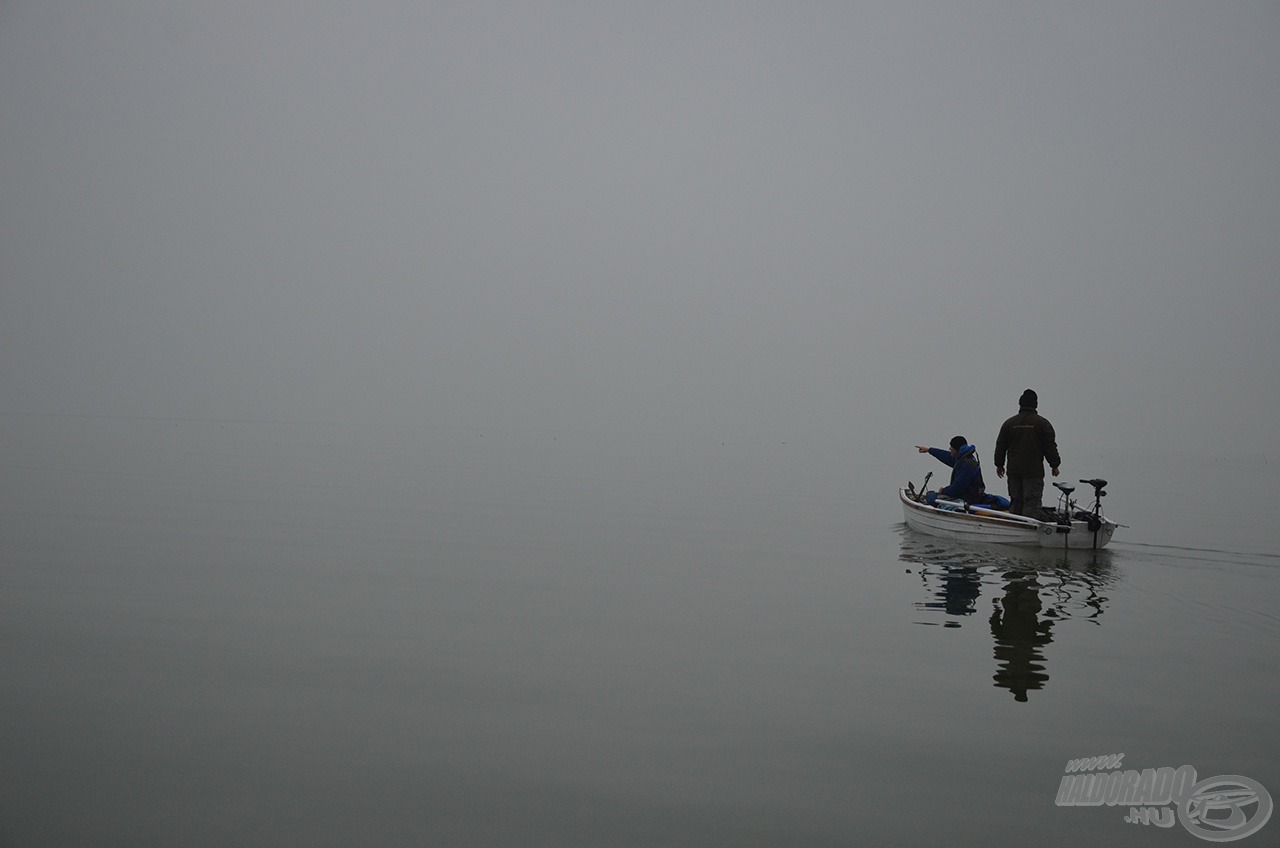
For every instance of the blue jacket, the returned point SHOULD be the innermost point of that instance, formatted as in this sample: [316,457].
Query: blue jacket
[966,474]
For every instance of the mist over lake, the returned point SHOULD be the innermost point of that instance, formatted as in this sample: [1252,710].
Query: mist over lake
[479,424]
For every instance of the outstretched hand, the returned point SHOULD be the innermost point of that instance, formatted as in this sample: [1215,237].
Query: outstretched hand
[922,449]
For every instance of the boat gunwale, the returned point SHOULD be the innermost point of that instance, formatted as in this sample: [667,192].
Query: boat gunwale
[1019,523]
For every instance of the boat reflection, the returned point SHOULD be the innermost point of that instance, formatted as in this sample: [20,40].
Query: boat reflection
[1031,591]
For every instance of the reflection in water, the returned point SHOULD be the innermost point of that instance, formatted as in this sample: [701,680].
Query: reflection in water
[957,594]
[1032,590]
[1020,635]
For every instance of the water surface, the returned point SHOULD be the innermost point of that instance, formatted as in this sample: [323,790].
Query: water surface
[221,633]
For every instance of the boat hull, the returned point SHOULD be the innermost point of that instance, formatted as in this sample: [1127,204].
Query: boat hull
[1002,528]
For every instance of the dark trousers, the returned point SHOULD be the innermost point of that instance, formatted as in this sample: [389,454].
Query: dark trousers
[1025,495]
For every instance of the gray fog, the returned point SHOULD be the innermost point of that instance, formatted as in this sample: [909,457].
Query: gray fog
[872,220]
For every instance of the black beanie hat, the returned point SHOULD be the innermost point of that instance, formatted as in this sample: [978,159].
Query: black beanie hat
[1028,399]
[958,442]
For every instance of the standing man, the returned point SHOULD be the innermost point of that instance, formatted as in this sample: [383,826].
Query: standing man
[1028,440]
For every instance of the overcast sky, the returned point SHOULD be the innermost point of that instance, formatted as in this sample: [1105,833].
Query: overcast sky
[884,219]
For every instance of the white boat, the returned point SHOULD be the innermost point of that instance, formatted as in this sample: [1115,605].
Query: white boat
[951,519]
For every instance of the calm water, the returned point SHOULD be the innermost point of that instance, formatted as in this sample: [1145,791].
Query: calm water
[266,634]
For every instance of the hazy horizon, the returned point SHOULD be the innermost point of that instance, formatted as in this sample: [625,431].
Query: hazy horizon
[878,219]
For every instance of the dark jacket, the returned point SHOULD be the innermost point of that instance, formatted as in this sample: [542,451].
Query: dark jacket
[1028,441]
[966,474]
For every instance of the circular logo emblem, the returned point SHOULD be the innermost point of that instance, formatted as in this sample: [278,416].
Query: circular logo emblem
[1225,808]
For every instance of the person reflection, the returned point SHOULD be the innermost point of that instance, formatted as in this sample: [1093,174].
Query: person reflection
[1036,593]
[958,594]
[1020,635]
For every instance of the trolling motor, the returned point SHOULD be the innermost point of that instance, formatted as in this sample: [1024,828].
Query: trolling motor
[1067,512]
[1067,507]
[1094,517]
[918,497]
[1099,492]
